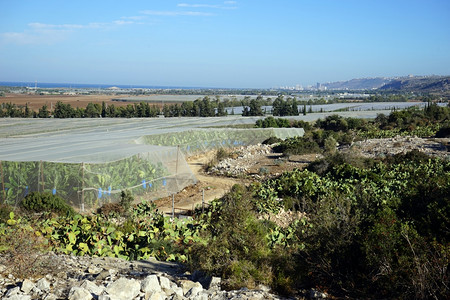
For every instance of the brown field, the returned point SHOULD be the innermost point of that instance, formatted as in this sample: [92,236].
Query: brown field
[37,101]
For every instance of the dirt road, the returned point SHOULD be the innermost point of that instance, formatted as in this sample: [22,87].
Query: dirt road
[213,187]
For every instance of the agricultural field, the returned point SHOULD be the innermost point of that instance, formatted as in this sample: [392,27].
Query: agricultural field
[37,101]
[326,209]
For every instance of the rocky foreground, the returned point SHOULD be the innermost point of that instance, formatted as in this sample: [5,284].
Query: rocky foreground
[83,278]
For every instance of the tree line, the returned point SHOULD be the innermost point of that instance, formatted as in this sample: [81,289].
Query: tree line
[203,107]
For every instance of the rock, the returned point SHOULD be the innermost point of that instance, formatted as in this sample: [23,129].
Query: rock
[186,285]
[178,291]
[103,275]
[43,284]
[165,283]
[194,291]
[124,288]
[214,283]
[79,293]
[93,269]
[27,286]
[157,296]
[18,297]
[51,297]
[92,287]
[77,285]
[315,294]
[13,291]
[150,284]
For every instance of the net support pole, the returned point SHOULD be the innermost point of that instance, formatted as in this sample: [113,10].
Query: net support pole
[82,186]
[3,182]
[42,176]
[176,167]
[203,201]
[173,207]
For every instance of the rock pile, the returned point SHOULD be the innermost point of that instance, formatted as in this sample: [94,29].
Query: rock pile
[400,144]
[84,278]
[243,158]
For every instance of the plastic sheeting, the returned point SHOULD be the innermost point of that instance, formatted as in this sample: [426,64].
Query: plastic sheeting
[89,162]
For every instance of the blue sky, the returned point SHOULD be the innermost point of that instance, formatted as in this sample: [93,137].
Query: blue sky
[241,44]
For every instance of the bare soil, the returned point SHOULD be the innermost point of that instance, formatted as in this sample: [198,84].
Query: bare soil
[214,186]
[250,164]
[77,101]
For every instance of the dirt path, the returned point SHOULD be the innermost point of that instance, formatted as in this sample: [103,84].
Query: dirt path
[213,187]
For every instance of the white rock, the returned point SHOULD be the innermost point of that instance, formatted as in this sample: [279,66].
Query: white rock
[186,285]
[165,283]
[92,287]
[13,291]
[150,284]
[194,291]
[79,293]
[50,297]
[178,291]
[124,288]
[157,296]
[27,286]
[93,269]
[18,297]
[43,284]
[215,283]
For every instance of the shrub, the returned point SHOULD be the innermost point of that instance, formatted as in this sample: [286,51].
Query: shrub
[330,145]
[272,140]
[220,155]
[4,212]
[111,209]
[126,199]
[297,145]
[46,202]
[237,247]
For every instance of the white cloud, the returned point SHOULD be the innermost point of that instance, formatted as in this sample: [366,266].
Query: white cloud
[175,13]
[134,18]
[218,6]
[41,33]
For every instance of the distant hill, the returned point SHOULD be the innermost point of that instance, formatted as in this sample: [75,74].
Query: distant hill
[429,84]
[418,84]
[358,84]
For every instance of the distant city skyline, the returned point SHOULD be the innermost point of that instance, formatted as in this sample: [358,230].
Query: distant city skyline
[222,44]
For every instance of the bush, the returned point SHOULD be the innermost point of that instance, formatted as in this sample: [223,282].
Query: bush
[220,155]
[297,145]
[126,199]
[111,209]
[272,140]
[237,247]
[331,161]
[4,212]
[46,202]
[271,122]
[330,145]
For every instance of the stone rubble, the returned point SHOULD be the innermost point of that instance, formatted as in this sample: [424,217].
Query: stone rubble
[243,158]
[85,278]
[399,144]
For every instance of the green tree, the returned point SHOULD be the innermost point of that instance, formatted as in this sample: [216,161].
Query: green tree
[93,110]
[104,110]
[63,110]
[43,112]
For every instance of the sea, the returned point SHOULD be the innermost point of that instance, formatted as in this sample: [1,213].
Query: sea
[48,85]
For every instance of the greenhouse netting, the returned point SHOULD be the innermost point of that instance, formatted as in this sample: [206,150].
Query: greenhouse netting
[89,163]
[200,140]
[88,185]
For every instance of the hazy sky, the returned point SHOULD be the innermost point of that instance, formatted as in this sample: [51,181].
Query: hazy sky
[254,44]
